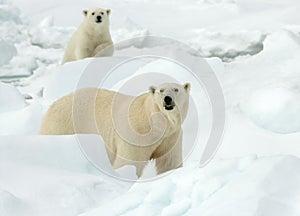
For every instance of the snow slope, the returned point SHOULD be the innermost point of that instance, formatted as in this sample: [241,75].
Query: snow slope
[50,176]
[10,98]
[247,186]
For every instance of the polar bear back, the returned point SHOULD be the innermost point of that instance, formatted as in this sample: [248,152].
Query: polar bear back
[90,111]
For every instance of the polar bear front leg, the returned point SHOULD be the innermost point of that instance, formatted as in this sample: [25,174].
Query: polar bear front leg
[103,50]
[82,53]
[169,154]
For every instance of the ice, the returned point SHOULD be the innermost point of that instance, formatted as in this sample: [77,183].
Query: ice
[46,35]
[9,13]
[10,23]
[24,47]
[21,66]
[7,52]
[227,45]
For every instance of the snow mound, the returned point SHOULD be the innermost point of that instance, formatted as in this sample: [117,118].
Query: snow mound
[21,121]
[10,98]
[46,35]
[52,175]
[64,79]
[86,73]
[7,52]
[262,189]
[229,187]
[10,205]
[275,109]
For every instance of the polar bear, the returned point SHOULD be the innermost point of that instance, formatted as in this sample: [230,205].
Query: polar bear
[134,129]
[92,38]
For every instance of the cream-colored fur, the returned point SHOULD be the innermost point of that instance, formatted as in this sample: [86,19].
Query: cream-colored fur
[134,129]
[92,38]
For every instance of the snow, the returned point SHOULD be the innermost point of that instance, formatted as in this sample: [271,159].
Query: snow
[9,13]
[227,45]
[7,52]
[129,30]
[274,109]
[253,46]
[221,188]
[46,35]
[61,182]
[21,121]
[10,98]
[11,205]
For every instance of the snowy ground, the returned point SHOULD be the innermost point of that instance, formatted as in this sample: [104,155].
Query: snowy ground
[253,46]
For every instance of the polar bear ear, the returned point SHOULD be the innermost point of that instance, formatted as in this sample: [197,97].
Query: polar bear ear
[85,12]
[108,11]
[152,89]
[187,87]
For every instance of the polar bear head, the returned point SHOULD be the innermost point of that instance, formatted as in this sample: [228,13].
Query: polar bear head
[172,98]
[97,16]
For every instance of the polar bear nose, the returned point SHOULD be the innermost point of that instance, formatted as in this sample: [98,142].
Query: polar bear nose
[99,18]
[168,100]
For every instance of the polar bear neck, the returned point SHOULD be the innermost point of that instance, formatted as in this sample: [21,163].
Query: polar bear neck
[102,31]
[173,118]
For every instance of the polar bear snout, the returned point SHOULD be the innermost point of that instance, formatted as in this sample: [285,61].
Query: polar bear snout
[168,100]
[171,96]
[169,103]
[98,19]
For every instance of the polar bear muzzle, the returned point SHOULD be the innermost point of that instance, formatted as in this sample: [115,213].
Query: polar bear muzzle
[169,103]
[170,96]
[99,19]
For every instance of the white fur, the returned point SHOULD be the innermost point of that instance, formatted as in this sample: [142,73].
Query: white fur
[91,38]
[107,113]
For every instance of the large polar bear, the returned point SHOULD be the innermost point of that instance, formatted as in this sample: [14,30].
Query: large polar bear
[134,129]
[92,38]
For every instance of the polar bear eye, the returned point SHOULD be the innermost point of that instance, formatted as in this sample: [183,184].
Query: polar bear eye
[176,90]
[93,14]
[102,13]
[161,91]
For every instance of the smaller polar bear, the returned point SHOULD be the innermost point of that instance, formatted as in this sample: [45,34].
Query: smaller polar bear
[134,129]
[92,38]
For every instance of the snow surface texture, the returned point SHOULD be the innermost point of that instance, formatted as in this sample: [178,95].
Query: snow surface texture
[247,186]
[252,45]
[10,98]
